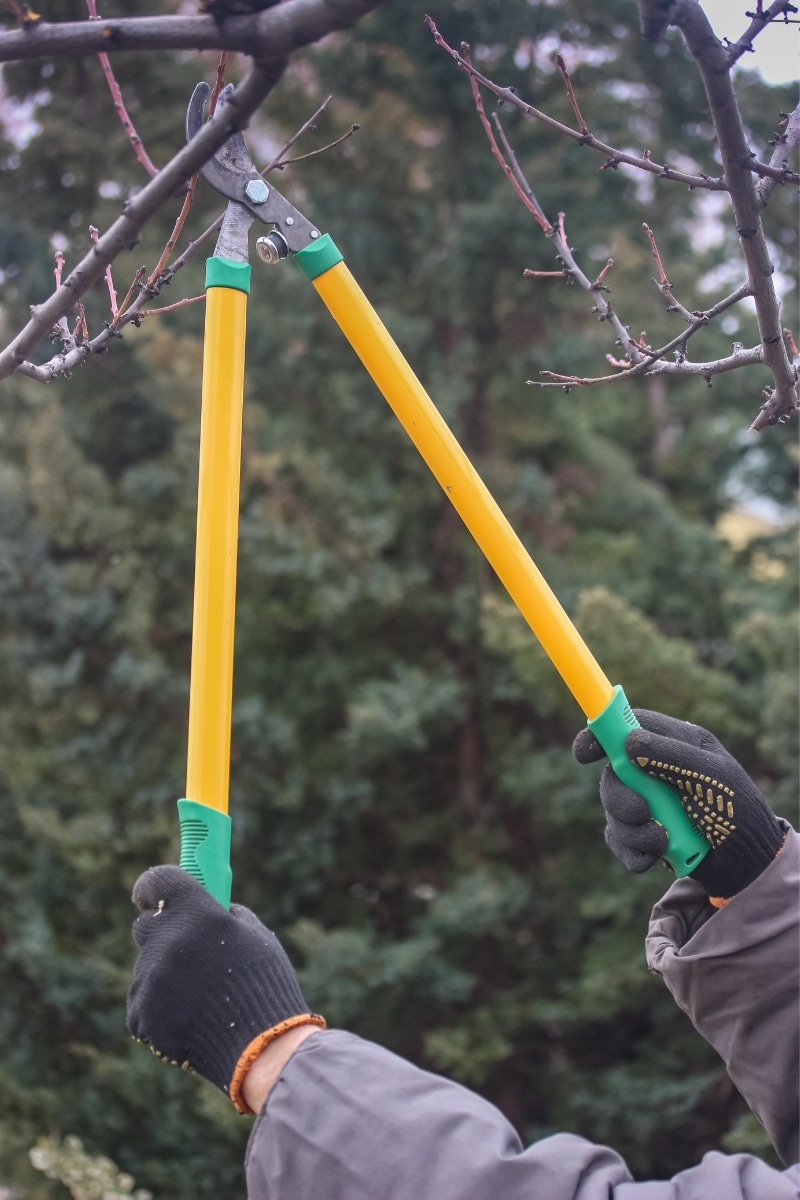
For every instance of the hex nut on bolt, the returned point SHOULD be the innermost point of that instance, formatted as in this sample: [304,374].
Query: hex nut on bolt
[256,191]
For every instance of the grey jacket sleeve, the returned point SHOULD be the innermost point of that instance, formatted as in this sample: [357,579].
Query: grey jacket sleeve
[736,973]
[347,1120]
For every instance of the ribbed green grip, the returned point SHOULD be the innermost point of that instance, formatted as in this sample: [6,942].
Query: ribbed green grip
[206,848]
[686,848]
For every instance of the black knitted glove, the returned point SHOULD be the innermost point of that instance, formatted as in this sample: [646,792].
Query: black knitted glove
[715,791]
[210,987]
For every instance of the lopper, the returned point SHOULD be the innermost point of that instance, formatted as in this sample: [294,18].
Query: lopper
[205,825]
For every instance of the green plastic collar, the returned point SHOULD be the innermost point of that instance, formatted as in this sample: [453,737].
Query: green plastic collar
[227,272]
[319,257]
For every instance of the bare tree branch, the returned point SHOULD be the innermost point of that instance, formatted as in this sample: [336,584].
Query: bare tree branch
[759,22]
[583,136]
[785,142]
[119,103]
[739,358]
[640,357]
[712,63]
[124,232]
[747,196]
[266,37]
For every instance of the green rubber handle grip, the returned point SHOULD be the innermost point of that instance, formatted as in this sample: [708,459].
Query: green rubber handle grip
[686,847]
[206,848]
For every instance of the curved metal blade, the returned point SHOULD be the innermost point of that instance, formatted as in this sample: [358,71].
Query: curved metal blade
[232,167]
[230,171]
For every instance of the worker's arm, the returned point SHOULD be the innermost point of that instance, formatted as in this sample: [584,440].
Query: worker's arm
[347,1120]
[736,972]
[726,940]
[341,1118]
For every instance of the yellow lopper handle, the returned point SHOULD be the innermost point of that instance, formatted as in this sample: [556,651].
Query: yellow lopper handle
[430,434]
[607,710]
[204,821]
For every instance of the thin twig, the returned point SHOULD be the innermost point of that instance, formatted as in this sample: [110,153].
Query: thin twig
[313,153]
[562,66]
[656,255]
[81,322]
[190,249]
[169,246]
[662,283]
[119,103]
[219,82]
[137,279]
[524,193]
[517,179]
[94,233]
[276,162]
[156,312]
[614,156]
[558,236]
[599,281]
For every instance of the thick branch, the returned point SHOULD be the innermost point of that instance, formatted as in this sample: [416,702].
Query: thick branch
[712,63]
[268,37]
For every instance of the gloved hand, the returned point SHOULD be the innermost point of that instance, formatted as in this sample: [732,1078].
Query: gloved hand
[716,792]
[211,988]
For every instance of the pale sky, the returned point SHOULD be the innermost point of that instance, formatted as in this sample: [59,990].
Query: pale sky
[777,49]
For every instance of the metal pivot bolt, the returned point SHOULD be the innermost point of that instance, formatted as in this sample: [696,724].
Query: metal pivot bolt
[256,191]
[272,248]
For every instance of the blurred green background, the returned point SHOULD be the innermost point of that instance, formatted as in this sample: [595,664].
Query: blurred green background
[406,811]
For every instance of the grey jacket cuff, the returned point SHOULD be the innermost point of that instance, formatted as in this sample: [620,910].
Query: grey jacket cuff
[735,971]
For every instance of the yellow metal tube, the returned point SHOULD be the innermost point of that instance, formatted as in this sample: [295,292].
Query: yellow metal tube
[211,688]
[430,434]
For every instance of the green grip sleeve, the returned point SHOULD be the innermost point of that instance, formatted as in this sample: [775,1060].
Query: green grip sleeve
[318,258]
[687,847]
[206,848]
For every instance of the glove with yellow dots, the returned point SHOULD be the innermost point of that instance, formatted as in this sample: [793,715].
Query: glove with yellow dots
[211,988]
[718,795]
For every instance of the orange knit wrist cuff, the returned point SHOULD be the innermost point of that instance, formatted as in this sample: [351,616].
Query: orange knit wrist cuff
[251,1053]
[721,901]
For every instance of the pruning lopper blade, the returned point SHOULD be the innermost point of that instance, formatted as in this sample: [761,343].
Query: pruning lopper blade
[232,173]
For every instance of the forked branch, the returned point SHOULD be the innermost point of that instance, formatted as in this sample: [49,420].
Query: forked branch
[748,181]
